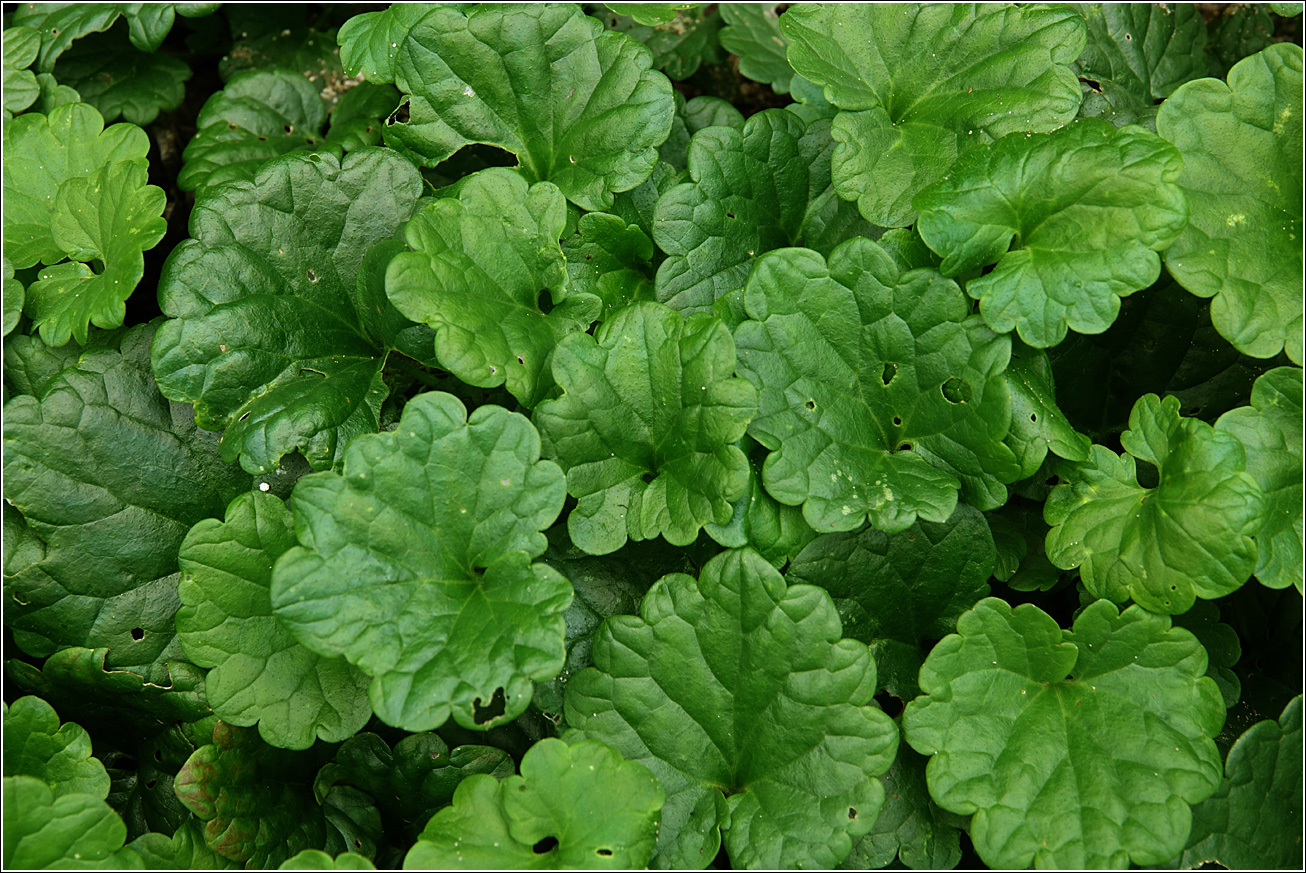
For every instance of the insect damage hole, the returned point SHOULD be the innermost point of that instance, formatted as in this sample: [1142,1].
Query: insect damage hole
[546,845]
[955,390]
[603,853]
[890,370]
[852,813]
[138,633]
[485,713]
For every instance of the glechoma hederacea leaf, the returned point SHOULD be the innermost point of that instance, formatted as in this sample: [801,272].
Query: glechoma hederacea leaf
[1189,536]
[483,269]
[647,426]
[920,85]
[1079,748]
[600,811]
[36,744]
[861,370]
[272,268]
[1242,145]
[736,682]
[579,106]
[259,673]
[415,564]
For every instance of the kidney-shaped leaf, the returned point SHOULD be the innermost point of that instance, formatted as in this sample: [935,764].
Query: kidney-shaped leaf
[481,264]
[647,427]
[259,673]
[1271,433]
[573,807]
[1147,49]
[44,831]
[278,331]
[923,83]
[1190,536]
[737,683]
[1242,147]
[415,564]
[1084,211]
[861,370]
[579,106]
[35,744]
[1074,749]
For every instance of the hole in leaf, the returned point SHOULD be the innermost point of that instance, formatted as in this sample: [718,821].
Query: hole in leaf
[358,844]
[905,447]
[311,274]
[158,755]
[545,303]
[605,853]
[20,599]
[400,115]
[852,813]
[310,140]
[730,215]
[487,713]
[262,139]
[956,390]
[1033,416]
[288,128]
[810,404]
[548,844]
[138,633]
[231,125]
[890,370]
[897,421]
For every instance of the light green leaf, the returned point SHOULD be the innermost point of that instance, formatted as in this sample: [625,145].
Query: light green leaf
[20,86]
[1254,819]
[1271,433]
[775,531]
[35,744]
[259,806]
[106,220]
[1085,211]
[53,95]
[98,563]
[754,35]
[691,117]
[14,295]
[651,13]
[259,674]
[1242,146]
[481,266]
[44,831]
[638,205]
[750,192]
[896,591]
[414,779]
[40,154]
[922,84]
[572,807]
[120,81]
[279,326]
[1037,424]
[1163,547]
[611,259]
[646,427]
[861,371]
[1077,749]
[368,42]
[737,683]
[315,859]
[1147,49]
[437,523]
[578,106]
[62,23]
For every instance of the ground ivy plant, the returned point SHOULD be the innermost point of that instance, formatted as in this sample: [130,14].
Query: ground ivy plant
[652,435]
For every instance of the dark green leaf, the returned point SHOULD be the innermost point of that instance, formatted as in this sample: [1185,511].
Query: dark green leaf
[121,81]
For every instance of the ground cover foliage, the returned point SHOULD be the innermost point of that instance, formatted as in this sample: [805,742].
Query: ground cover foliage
[661,435]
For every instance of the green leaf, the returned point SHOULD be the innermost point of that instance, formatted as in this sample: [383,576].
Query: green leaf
[315,859]
[44,831]
[99,563]
[437,523]
[737,683]
[651,14]
[646,427]
[40,154]
[775,531]
[1048,736]
[638,205]
[1240,30]
[259,807]
[1037,424]
[1254,819]
[750,192]
[20,86]
[120,81]
[862,370]
[1242,145]
[185,851]
[1019,533]
[35,744]
[679,45]
[1271,433]
[258,116]
[105,222]
[572,807]
[368,41]
[911,828]
[414,779]
[691,117]
[577,105]
[1163,547]
[478,274]
[273,335]
[1148,49]
[311,51]
[611,259]
[259,673]
[921,85]
[754,35]
[62,23]
[1223,648]
[53,95]
[14,295]
[896,591]
[1085,211]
